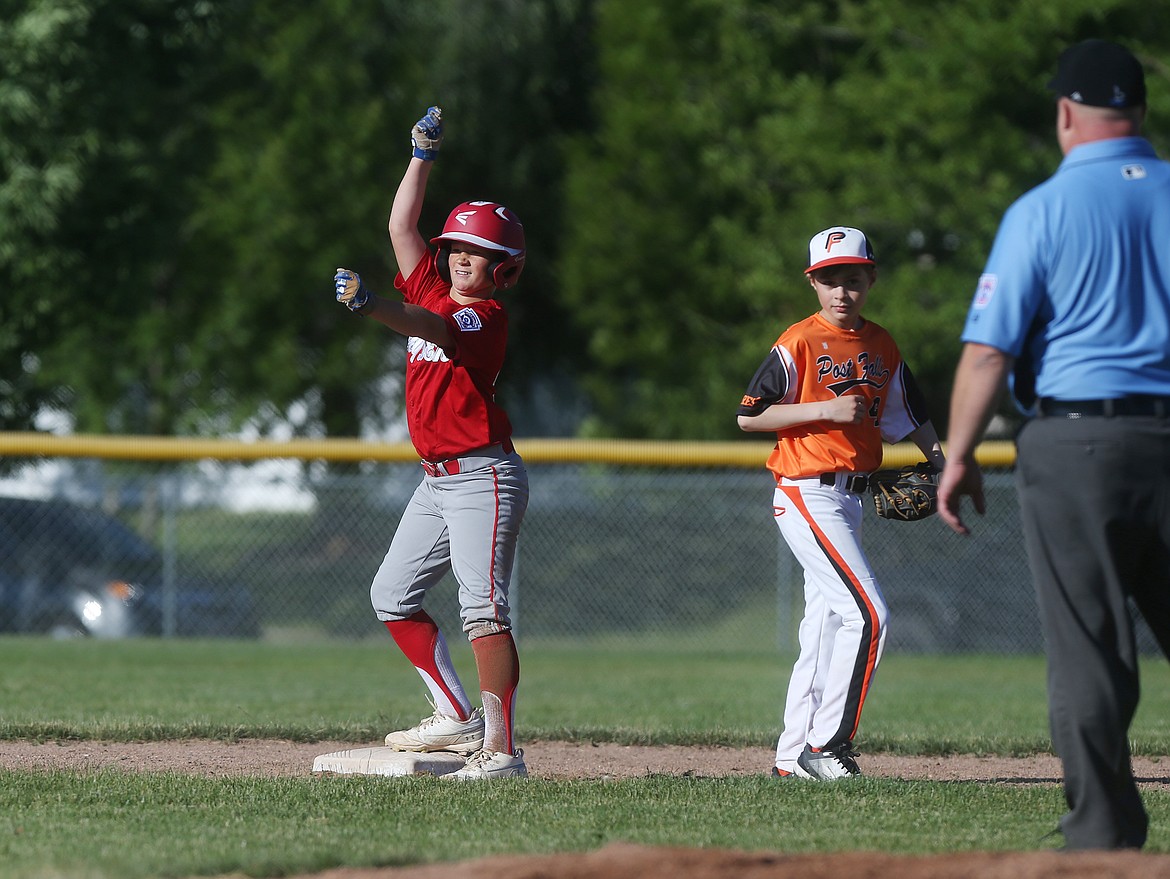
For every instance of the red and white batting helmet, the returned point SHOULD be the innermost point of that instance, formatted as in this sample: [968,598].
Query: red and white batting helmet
[488,225]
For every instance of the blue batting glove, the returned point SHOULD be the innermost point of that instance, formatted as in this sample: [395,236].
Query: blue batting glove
[427,135]
[351,292]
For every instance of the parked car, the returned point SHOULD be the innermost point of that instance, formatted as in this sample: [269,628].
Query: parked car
[71,571]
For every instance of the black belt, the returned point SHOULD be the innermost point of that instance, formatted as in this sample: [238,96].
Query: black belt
[1132,407]
[856,483]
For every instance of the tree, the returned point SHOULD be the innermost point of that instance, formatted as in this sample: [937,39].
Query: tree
[312,139]
[182,179]
[178,182]
[95,131]
[691,205]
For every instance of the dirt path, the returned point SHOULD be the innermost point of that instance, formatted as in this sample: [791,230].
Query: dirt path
[553,760]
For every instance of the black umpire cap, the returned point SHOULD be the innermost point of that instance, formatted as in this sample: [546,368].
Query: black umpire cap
[1098,73]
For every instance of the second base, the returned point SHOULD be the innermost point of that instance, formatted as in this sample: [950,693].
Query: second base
[385,761]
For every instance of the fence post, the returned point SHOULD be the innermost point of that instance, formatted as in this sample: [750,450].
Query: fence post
[170,597]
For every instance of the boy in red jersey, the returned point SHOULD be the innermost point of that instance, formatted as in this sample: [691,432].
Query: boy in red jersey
[833,388]
[465,515]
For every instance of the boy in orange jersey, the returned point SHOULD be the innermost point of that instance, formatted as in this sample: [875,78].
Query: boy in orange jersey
[833,389]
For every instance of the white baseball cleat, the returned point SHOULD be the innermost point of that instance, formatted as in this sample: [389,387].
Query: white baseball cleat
[828,764]
[484,765]
[441,733]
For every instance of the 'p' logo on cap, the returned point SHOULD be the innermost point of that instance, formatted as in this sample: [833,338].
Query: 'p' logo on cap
[839,245]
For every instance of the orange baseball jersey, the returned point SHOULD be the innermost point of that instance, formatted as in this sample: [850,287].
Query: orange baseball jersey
[814,360]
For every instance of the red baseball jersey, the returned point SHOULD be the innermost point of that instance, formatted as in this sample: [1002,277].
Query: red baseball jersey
[451,404]
[814,360]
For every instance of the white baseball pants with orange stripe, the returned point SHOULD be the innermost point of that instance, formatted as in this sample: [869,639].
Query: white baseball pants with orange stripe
[843,631]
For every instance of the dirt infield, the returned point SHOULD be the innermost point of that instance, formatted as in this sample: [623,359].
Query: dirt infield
[643,862]
[553,760]
[545,760]
[561,760]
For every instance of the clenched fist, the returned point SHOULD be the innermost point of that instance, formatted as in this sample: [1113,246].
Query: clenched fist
[351,292]
[846,409]
[427,135]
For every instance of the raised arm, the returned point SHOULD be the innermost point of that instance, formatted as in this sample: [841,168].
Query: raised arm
[409,246]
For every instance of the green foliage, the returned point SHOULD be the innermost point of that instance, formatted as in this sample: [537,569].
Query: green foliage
[99,166]
[299,185]
[178,182]
[696,198]
[187,177]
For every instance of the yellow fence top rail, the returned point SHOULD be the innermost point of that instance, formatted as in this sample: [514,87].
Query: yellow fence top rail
[661,453]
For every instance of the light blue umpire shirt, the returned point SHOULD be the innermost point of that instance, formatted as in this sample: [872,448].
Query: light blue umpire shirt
[1077,285]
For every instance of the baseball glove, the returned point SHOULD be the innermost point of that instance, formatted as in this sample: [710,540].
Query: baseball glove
[906,493]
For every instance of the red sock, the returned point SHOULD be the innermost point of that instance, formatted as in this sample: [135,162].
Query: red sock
[499,674]
[419,639]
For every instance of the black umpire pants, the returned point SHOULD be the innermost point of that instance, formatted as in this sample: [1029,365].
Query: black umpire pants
[1095,506]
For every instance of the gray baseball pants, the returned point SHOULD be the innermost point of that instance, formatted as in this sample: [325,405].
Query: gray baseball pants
[1095,504]
[467,523]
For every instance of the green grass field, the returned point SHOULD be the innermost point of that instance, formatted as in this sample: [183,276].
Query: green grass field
[114,824]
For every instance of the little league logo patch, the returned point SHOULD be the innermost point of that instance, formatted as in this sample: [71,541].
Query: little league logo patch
[985,290]
[467,320]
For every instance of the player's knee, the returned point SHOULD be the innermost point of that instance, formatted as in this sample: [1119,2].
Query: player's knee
[483,628]
[395,611]
[876,620]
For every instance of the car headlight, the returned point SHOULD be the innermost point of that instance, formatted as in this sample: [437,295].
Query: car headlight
[121,590]
[108,611]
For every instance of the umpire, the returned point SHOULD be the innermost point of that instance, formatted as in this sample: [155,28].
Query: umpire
[1073,312]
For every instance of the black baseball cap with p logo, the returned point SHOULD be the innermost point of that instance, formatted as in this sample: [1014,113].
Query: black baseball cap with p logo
[1098,73]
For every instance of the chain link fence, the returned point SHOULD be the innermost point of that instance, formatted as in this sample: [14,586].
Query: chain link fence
[645,550]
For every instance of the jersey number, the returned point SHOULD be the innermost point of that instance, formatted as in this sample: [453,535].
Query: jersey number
[873,409]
